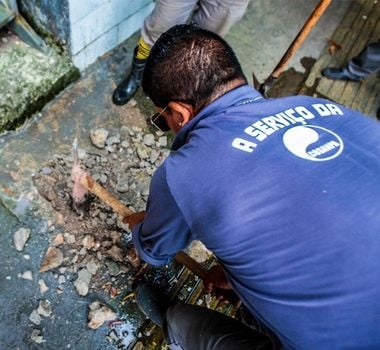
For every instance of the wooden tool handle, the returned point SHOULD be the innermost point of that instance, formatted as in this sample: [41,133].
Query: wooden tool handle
[88,182]
[181,257]
[191,264]
[300,38]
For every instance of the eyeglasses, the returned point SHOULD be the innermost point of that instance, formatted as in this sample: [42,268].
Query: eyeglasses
[159,121]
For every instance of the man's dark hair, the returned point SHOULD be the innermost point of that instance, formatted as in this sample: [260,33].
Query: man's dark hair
[189,64]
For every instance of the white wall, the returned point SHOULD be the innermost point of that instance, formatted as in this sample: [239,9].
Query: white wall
[97,26]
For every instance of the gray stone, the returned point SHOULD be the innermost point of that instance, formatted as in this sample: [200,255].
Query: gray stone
[27,275]
[35,318]
[88,242]
[154,156]
[83,251]
[136,129]
[82,282]
[142,152]
[44,308]
[103,179]
[61,279]
[148,139]
[122,186]
[163,140]
[99,137]
[92,267]
[70,238]
[37,337]
[113,140]
[20,238]
[99,314]
[46,170]
[43,287]
[110,149]
[113,268]
[125,144]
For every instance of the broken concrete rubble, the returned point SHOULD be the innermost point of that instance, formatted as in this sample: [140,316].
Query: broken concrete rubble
[20,238]
[37,337]
[43,287]
[99,314]
[53,258]
[82,283]
[99,137]
[27,275]
[35,318]
[44,308]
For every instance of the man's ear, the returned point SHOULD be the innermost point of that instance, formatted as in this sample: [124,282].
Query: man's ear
[184,111]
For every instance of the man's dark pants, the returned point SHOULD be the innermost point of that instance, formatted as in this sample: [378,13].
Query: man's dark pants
[367,62]
[191,327]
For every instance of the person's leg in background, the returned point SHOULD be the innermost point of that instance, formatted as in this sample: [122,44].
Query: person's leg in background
[359,67]
[218,16]
[367,62]
[188,327]
[166,14]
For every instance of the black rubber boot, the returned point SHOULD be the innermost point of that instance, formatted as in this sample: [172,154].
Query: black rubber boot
[339,74]
[152,302]
[128,87]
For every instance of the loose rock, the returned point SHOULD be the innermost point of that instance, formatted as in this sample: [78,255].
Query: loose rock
[43,287]
[53,259]
[58,240]
[88,242]
[92,267]
[99,314]
[113,140]
[27,275]
[20,238]
[163,141]
[148,139]
[116,253]
[99,137]
[35,318]
[44,308]
[82,282]
[37,337]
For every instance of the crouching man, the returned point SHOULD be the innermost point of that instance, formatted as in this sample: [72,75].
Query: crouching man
[285,192]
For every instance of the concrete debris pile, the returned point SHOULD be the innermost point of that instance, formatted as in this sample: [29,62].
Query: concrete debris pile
[88,248]
[91,241]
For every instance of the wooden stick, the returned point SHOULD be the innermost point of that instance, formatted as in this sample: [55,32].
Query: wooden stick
[300,38]
[90,184]
[196,268]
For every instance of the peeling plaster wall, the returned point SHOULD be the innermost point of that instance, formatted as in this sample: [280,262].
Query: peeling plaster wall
[87,28]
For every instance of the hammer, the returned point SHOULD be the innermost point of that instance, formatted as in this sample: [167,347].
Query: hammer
[83,182]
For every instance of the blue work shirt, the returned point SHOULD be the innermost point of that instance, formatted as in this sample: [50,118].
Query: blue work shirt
[286,193]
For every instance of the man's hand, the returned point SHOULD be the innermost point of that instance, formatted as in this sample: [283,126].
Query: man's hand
[217,282]
[216,278]
[134,219]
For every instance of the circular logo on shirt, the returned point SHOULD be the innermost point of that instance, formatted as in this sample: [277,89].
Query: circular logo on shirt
[313,143]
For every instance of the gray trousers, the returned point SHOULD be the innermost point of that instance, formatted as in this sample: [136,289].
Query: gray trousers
[367,62]
[191,327]
[215,15]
